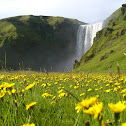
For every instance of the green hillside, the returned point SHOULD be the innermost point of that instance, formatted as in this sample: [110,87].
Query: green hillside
[36,41]
[109,46]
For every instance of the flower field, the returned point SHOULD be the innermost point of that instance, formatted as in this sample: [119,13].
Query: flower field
[62,99]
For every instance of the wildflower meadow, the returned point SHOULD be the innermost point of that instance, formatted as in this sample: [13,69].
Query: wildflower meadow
[62,99]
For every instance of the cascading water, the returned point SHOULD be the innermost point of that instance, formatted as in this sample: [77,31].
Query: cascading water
[85,36]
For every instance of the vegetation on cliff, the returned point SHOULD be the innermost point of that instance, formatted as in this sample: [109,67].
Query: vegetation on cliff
[37,41]
[109,46]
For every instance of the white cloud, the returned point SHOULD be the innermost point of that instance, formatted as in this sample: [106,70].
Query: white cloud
[85,10]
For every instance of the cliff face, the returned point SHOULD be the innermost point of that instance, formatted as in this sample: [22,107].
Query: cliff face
[109,46]
[38,42]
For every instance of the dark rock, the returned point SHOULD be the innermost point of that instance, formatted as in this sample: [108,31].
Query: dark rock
[123,5]
[104,56]
[111,51]
[77,64]
[123,9]
[123,31]
[89,57]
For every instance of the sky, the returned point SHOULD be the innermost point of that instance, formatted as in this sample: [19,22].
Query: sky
[89,11]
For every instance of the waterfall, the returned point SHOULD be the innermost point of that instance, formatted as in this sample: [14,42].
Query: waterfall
[85,36]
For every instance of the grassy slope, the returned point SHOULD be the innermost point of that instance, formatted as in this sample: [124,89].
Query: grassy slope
[108,48]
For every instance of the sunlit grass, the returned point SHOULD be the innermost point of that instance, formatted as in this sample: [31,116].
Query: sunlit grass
[51,98]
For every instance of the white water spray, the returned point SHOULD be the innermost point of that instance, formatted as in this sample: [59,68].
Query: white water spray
[85,36]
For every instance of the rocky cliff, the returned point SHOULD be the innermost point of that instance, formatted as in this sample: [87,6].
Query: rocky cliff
[38,42]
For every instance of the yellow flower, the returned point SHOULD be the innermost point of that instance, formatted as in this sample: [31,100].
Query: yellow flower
[2,95]
[60,91]
[79,106]
[123,91]
[85,103]
[95,110]
[76,87]
[43,85]
[32,124]
[124,124]
[107,85]
[53,97]
[108,90]
[103,123]
[96,89]
[86,85]
[89,89]
[82,94]
[13,91]
[15,101]
[45,95]
[97,96]
[70,86]
[30,105]
[100,87]
[53,102]
[61,95]
[9,85]
[29,86]
[9,92]
[118,107]
[56,83]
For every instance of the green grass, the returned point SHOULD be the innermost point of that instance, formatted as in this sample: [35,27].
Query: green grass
[62,112]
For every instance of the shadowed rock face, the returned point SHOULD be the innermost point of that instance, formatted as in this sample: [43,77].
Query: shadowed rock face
[38,42]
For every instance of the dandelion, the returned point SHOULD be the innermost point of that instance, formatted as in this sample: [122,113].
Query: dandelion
[108,90]
[118,107]
[89,89]
[2,95]
[9,85]
[123,91]
[53,102]
[103,123]
[97,96]
[29,86]
[60,91]
[82,94]
[45,95]
[76,87]
[70,86]
[53,97]
[86,85]
[124,124]
[95,110]
[100,87]
[61,95]
[107,85]
[30,105]
[28,124]
[13,91]
[43,85]
[9,92]
[85,103]
[96,89]
[56,83]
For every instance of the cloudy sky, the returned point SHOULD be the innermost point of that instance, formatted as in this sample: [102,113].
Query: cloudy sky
[89,11]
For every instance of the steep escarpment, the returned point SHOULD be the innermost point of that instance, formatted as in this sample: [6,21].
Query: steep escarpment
[38,42]
[109,46]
